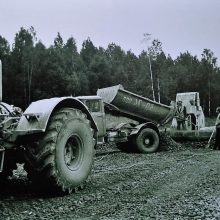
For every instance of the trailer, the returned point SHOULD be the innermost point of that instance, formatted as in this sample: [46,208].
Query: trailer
[133,121]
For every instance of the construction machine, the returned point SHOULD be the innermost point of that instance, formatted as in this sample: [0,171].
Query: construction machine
[55,138]
[194,118]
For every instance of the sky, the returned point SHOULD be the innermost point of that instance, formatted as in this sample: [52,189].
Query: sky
[181,25]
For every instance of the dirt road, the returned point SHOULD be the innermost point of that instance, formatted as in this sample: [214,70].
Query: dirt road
[181,184]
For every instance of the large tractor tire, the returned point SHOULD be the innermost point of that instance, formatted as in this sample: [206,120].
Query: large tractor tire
[147,141]
[62,159]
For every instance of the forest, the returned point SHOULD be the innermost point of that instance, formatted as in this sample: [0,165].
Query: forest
[32,71]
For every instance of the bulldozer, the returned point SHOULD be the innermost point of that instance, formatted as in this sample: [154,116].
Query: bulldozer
[195,119]
[56,138]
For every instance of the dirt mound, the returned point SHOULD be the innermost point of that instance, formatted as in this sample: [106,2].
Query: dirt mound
[168,144]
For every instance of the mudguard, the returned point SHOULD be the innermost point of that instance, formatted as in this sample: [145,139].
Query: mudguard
[145,125]
[36,116]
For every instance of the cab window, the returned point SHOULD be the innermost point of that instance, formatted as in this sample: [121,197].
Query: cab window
[93,105]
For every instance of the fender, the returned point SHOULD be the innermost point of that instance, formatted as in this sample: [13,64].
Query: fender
[125,125]
[145,125]
[36,116]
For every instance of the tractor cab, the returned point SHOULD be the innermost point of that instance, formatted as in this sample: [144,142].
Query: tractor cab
[96,108]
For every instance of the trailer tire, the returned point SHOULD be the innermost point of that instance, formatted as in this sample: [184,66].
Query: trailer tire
[147,141]
[63,158]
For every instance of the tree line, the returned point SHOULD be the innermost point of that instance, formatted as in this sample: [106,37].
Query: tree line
[32,71]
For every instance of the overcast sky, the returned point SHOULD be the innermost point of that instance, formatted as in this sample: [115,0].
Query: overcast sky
[180,25]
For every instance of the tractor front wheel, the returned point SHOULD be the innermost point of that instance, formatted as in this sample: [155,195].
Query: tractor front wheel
[63,158]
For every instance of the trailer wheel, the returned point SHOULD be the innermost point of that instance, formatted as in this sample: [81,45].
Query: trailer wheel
[147,141]
[63,158]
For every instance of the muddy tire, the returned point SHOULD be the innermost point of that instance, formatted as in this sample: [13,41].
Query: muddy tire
[62,159]
[147,141]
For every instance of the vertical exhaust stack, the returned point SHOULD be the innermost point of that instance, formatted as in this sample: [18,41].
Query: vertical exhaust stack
[0,80]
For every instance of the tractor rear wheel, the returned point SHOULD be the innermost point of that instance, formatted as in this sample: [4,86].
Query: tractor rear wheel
[147,141]
[63,157]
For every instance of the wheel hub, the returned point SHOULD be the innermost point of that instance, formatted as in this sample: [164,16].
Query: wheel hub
[72,152]
[147,141]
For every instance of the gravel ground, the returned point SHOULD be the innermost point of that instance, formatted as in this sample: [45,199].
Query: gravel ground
[179,182]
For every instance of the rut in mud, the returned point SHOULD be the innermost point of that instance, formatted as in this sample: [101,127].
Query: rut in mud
[181,181]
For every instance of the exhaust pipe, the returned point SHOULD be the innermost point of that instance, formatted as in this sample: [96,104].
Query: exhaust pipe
[0,80]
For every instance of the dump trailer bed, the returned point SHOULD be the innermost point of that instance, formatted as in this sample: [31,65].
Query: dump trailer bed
[136,106]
